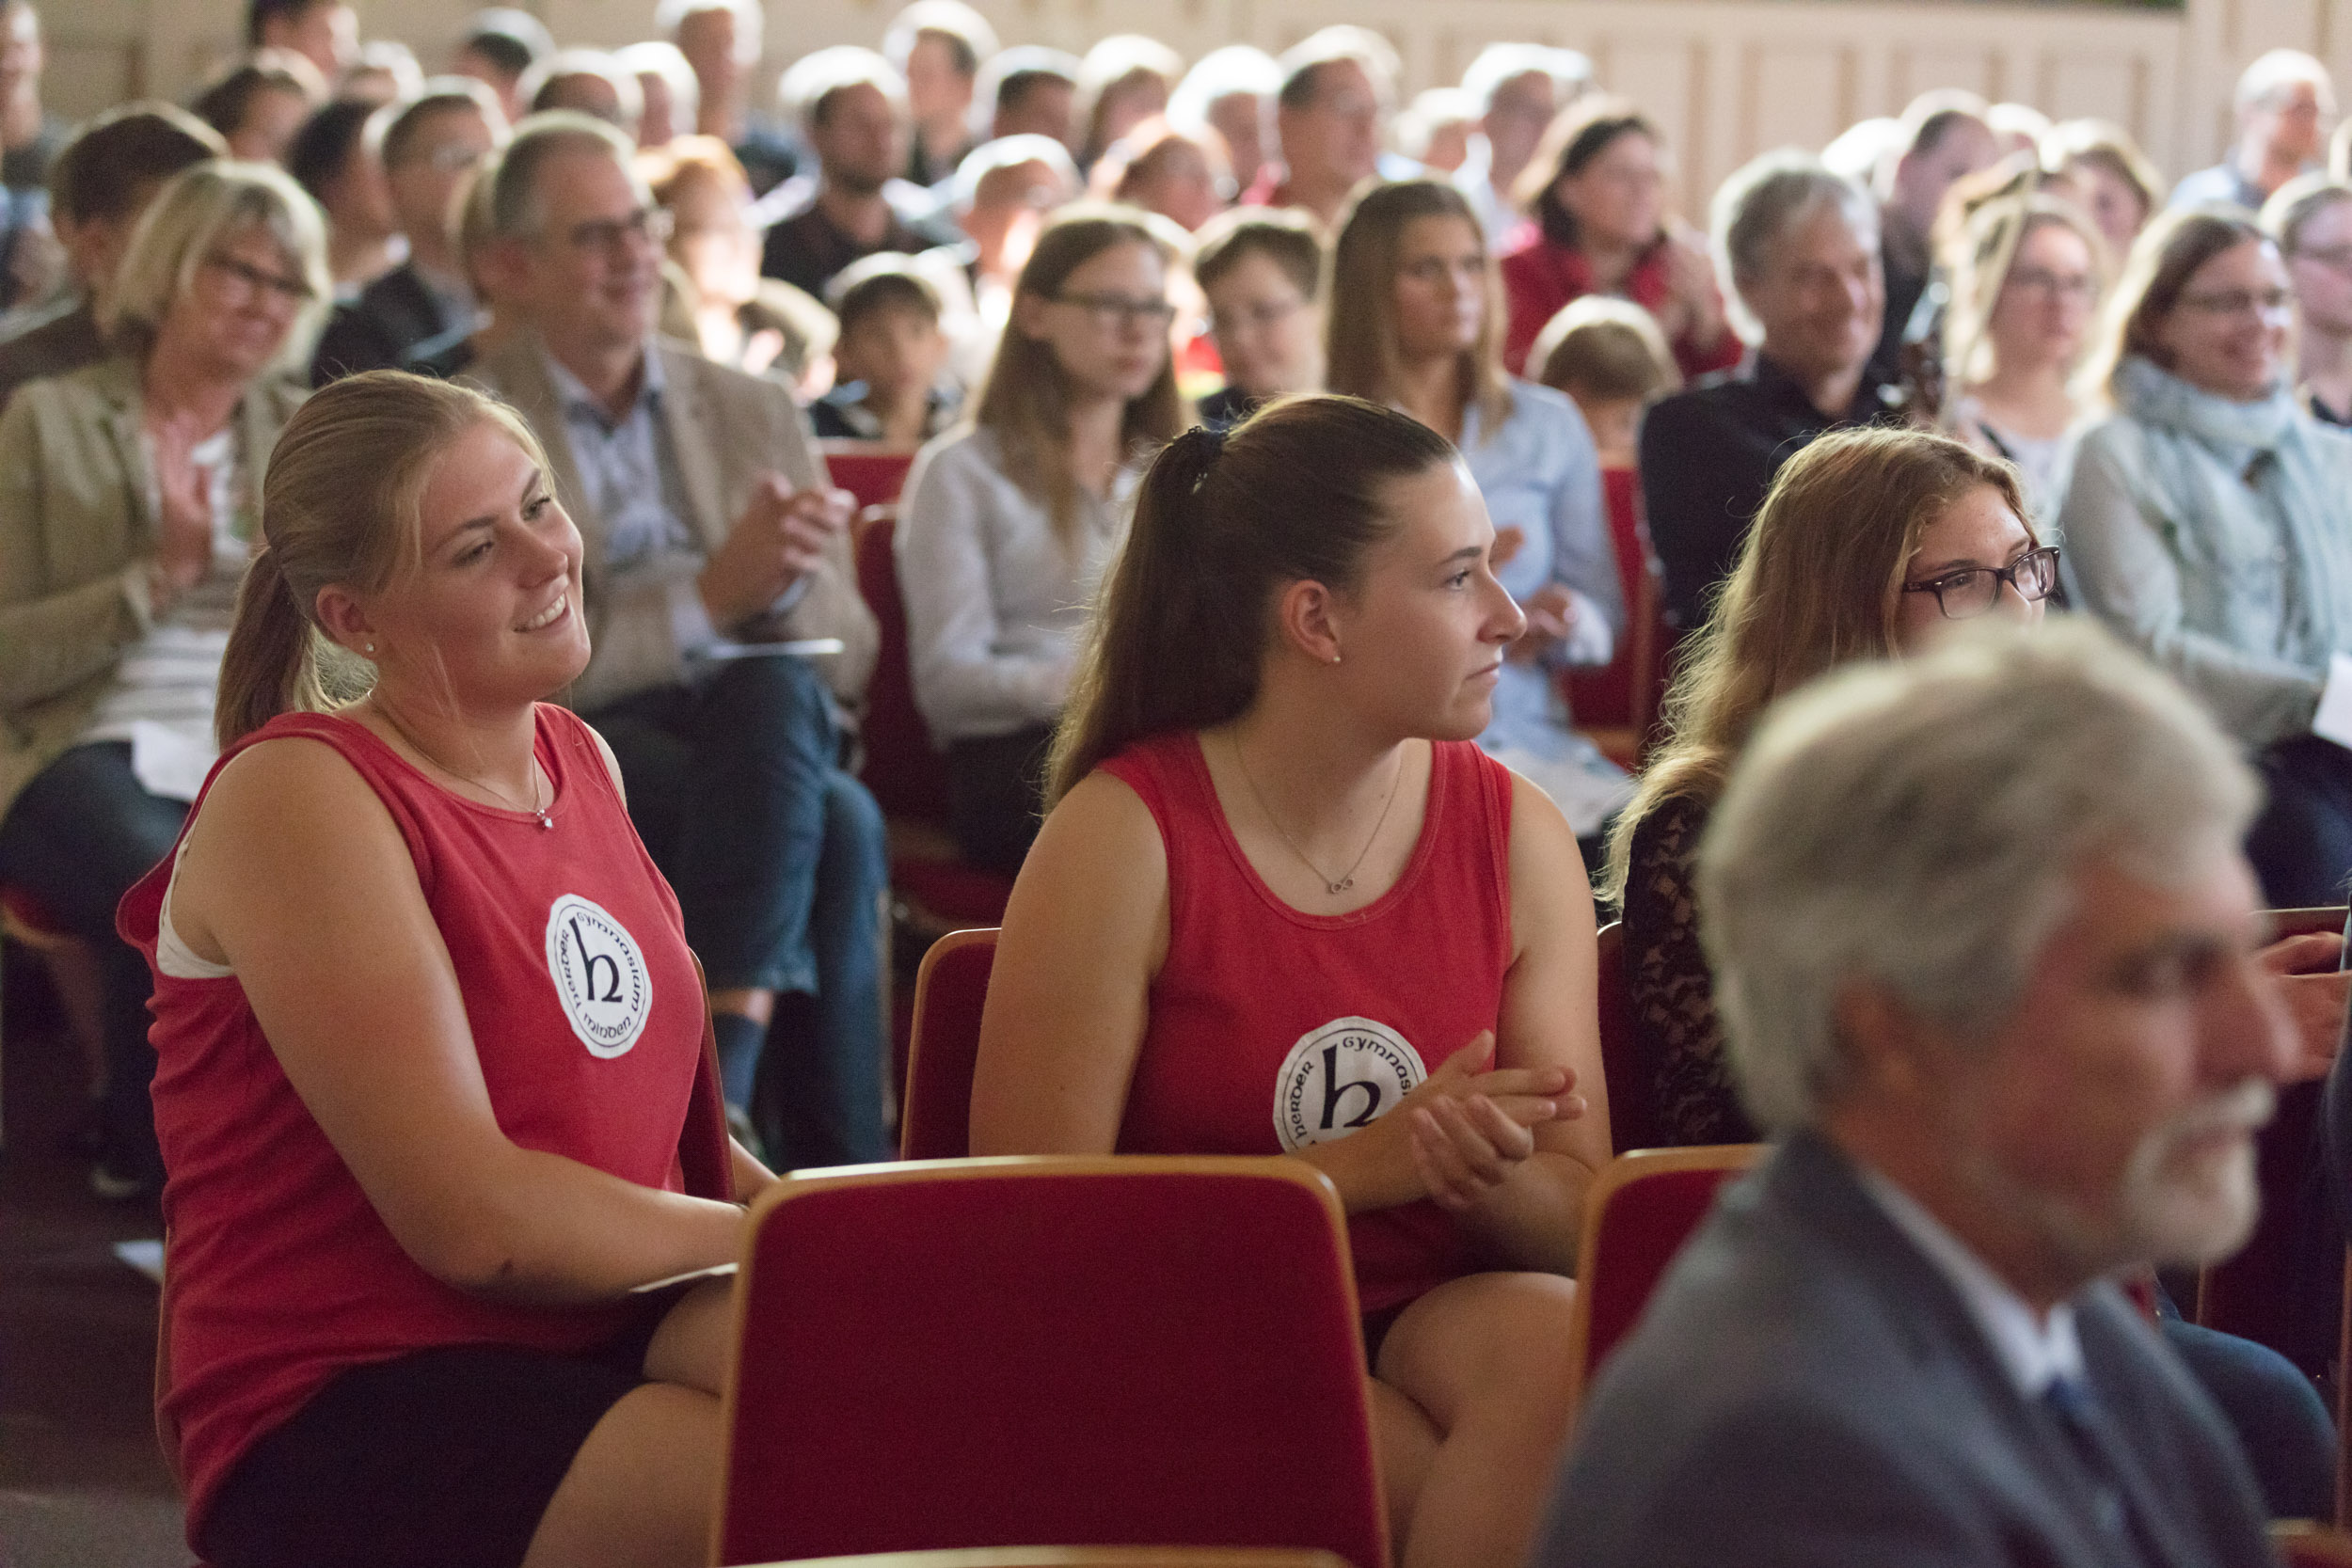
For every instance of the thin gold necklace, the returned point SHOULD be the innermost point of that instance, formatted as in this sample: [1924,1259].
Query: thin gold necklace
[534,809]
[1348,879]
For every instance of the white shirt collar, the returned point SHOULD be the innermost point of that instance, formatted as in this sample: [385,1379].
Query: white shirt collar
[2035,1351]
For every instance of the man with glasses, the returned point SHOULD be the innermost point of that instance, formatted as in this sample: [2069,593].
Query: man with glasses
[852,108]
[2311,218]
[1337,87]
[2285,105]
[713,538]
[431,149]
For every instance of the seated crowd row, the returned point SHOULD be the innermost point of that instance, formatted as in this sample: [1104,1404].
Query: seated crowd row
[1242,651]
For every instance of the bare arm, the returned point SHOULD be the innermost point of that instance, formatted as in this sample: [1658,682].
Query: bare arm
[292,860]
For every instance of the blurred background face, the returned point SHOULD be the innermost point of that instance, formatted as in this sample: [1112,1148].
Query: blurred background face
[711,239]
[1108,325]
[1925,174]
[862,142]
[1044,108]
[1515,122]
[1439,296]
[359,199]
[2228,332]
[1336,137]
[1619,197]
[1176,180]
[1127,104]
[233,316]
[708,41]
[442,158]
[1266,331]
[660,122]
[894,351]
[272,116]
[327,32]
[2291,122]
[468,62]
[593,271]
[1240,118]
[1819,294]
[1008,208]
[19,48]
[2321,270]
[2042,316]
[2110,200]
[937,92]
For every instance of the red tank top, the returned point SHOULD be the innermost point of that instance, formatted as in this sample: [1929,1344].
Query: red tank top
[587,1014]
[1271,1029]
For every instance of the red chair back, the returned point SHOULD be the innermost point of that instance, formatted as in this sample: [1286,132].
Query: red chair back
[1050,1352]
[951,989]
[905,774]
[871,471]
[1624,693]
[1632,1123]
[1637,1214]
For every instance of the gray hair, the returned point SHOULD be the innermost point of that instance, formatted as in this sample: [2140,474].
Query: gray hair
[1499,63]
[1762,200]
[1009,152]
[515,210]
[1236,68]
[2276,70]
[1920,826]
[194,212]
[660,58]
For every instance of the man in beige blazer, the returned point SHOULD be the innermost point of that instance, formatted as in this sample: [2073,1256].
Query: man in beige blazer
[710,528]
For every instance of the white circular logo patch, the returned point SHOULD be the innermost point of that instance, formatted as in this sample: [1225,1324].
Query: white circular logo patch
[599,975]
[1340,1077]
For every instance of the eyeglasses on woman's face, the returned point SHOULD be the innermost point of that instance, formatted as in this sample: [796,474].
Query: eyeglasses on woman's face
[1964,594]
[1110,312]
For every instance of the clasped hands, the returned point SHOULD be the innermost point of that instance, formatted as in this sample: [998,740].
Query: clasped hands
[780,538]
[1471,1125]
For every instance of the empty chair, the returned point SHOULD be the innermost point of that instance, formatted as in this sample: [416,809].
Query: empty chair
[951,987]
[1022,1351]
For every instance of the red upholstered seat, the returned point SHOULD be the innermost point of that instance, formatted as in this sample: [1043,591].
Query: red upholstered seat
[934,1119]
[1639,1211]
[1616,703]
[1049,1352]
[870,470]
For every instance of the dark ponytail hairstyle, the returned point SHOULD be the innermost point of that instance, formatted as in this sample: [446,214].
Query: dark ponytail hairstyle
[1223,521]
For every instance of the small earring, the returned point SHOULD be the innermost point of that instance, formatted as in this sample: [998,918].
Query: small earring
[1334,658]
[371,647]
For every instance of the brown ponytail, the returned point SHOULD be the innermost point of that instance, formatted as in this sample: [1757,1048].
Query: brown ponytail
[340,506]
[1222,522]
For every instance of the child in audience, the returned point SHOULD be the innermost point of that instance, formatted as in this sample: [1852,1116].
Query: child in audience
[1283,904]
[422,1156]
[1260,268]
[1612,360]
[889,360]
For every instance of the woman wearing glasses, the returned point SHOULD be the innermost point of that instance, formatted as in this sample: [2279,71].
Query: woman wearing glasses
[127,500]
[2209,520]
[2310,217]
[1007,522]
[2026,285]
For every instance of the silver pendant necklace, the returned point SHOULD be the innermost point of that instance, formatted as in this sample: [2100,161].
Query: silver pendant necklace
[1346,879]
[534,809]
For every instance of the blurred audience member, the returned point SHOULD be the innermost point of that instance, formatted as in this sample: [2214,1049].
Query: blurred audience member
[889,359]
[853,109]
[324,32]
[259,103]
[2209,521]
[128,492]
[1007,525]
[1124,81]
[1003,192]
[2100,170]
[99,183]
[1259,269]
[431,149]
[2285,104]
[2311,218]
[666,83]
[2016,128]
[1415,322]
[386,72]
[1802,247]
[706,518]
[722,40]
[1945,139]
[740,320]
[31,135]
[1596,191]
[1435,129]
[1856,152]
[500,46]
[1612,360]
[1337,88]
[1181,175]
[939,47]
[589,82]
[2026,277]
[1231,91]
[1518,90]
[1030,90]
[337,156]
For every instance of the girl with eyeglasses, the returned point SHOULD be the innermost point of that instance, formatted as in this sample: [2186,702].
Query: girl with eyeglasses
[1008,521]
[2209,521]
[2310,217]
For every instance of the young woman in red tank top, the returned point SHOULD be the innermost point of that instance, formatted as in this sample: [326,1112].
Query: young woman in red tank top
[1283,905]
[432,1088]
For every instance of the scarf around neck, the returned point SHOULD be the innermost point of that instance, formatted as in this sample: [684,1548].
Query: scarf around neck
[2159,397]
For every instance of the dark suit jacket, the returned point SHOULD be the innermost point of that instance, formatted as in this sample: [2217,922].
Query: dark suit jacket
[64,340]
[1807,1387]
[392,316]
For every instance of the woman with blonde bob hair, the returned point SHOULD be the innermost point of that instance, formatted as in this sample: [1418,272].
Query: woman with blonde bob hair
[127,502]
[433,1092]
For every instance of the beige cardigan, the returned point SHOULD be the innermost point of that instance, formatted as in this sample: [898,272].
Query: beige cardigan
[77,530]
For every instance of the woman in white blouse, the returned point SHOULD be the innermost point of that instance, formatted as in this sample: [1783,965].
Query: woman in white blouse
[1009,522]
[128,493]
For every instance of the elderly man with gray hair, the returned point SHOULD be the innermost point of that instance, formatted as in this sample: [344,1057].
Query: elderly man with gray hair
[2286,103]
[1801,246]
[1985,944]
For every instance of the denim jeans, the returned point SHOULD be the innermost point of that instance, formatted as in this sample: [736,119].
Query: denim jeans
[779,863]
[2302,843]
[78,836]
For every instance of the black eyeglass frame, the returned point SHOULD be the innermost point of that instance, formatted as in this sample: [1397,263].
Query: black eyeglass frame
[2042,562]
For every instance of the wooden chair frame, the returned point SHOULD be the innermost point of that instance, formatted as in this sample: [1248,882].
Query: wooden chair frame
[1083,1557]
[932,956]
